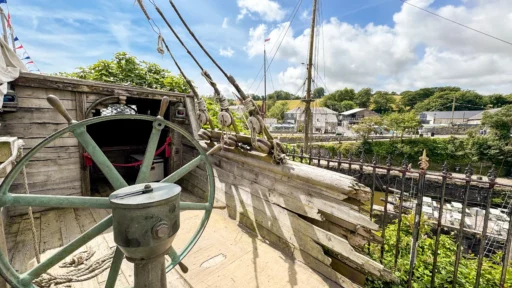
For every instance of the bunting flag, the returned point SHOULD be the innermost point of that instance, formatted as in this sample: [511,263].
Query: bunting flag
[16,39]
[8,20]
[19,47]
[26,58]
[268,39]
[30,62]
[3,1]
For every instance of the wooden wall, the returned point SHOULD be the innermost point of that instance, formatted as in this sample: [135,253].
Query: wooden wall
[55,170]
[302,210]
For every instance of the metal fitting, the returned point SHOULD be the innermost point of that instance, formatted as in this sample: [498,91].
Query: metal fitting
[161,230]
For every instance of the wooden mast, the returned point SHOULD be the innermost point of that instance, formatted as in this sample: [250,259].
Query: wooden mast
[307,110]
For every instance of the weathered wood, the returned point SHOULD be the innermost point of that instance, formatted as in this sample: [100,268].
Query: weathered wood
[46,186]
[25,130]
[42,103]
[52,165]
[30,142]
[23,252]
[51,176]
[78,85]
[51,236]
[85,178]
[35,116]
[30,92]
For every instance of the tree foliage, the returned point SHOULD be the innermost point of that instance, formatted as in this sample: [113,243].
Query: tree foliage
[346,105]
[333,101]
[496,101]
[402,122]
[363,98]
[318,93]
[442,101]
[409,99]
[367,126]
[278,110]
[213,111]
[126,69]
[281,95]
[383,102]
[500,121]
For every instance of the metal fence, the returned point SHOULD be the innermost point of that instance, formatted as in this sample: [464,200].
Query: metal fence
[473,191]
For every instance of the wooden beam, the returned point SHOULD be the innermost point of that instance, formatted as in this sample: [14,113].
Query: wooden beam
[81,108]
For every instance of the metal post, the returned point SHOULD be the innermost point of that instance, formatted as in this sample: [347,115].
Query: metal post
[417,217]
[264,108]
[374,172]
[150,273]
[400,210]
[310,156]
[386,199]
[439,224]
[491,176]
[293,154]
[506,253]
[361,163]
[339,162]
[328,160]
[307,109]
[319,155]
[301,157]
[460,238]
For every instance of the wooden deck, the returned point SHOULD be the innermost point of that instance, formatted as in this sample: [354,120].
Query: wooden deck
[226,256]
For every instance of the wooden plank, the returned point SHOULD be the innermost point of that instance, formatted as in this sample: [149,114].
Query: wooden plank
[23,253]
[43,187]
[51,236]
[81,107]
[70,229]
[30,142]
[12,231]
[42,103]
[29,92]
[23,130]
[51,176]
[53,165]
[35,116]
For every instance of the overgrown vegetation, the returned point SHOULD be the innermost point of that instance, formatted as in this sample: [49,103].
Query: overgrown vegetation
[491,269]
[213,111]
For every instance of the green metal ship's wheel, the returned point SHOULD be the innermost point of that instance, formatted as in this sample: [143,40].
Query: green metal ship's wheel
[78,129]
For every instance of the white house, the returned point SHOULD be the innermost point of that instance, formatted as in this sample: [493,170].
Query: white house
[324,119]
[477,119]
[353,116]
[445,117]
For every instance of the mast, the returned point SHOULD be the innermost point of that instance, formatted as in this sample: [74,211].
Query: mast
[264,107]
[307,109]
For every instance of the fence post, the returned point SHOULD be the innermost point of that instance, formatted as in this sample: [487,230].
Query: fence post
[374,173]
[460,237]
[301,157]
[339,161]
[400,211]
[350,163]
[386,199]
[319,155]
[361,167]
[491,177]
[439,224]
[310,156]
[293,153]
[417,216]
[328,159]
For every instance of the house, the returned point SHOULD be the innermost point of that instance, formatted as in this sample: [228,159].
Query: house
[353,116]
[447,117]
[324,119]
[477,119]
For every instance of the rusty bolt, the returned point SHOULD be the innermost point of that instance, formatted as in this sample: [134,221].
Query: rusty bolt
[161,230]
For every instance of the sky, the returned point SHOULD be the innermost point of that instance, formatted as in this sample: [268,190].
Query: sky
[381,44]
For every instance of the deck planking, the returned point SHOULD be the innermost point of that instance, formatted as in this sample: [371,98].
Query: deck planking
[227,255]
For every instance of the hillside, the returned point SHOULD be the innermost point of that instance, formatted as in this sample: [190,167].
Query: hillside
[292,104]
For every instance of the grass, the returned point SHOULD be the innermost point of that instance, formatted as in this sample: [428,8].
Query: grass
[292,104]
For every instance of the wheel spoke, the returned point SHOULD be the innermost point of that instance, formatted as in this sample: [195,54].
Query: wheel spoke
[100,159]
[114,268]
[150,152]
[55,201]
[176,175]
[67,250]
[194,206]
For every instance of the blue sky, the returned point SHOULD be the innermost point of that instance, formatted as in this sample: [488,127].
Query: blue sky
[380,44]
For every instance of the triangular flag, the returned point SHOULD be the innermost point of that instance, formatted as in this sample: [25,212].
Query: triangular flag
[3,1]
[30,62]
[16,38]
[26,58]
[8,20]
[19,47]
[268,39]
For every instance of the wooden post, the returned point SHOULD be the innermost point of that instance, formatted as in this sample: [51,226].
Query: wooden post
[81,108]
[307,109]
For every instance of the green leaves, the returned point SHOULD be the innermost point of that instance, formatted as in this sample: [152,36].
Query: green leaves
[128,70]
[402,122]
[278,110]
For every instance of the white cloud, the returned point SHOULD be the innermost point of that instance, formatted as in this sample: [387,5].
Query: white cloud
[418,50]
[225,23]
[228,52]
[268,10]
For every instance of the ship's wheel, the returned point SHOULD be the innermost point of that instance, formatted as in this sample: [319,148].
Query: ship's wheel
[145,216]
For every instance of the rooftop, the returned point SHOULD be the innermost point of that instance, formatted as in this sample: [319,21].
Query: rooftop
[350,112]
[479,116]
[448,114]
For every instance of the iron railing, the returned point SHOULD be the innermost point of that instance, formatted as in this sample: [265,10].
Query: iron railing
[476,192]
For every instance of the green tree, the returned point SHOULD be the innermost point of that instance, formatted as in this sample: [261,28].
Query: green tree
[500,122]
[213,111]
[346,105]
[278,110]
[333,101]
[126,69]
[367,126]
[496,101]
[280,95]
[383,102]
[364,97]
[409,99]
[402,122]
[442,101]
[318,93]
